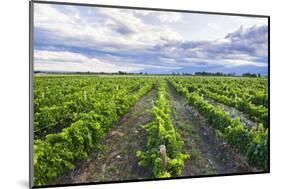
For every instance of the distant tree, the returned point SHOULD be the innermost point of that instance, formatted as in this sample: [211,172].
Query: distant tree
[214,74]
[249,75]
[122,73]
[231,74]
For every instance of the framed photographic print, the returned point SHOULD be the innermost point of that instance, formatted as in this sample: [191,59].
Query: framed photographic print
[125,94]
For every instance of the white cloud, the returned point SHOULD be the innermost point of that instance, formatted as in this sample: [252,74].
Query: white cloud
[111,27]
[110,40]
[213,25]
[142,13]
[241,62]
[73,62]
[168,60]
[252,21]
[169,17]
[44,13]
[64,61]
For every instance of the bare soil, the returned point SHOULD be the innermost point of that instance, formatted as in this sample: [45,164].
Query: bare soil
[118,159]
[209,154]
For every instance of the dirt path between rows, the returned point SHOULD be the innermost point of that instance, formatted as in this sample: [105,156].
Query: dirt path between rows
[118,160]
[209,155]
[233,112]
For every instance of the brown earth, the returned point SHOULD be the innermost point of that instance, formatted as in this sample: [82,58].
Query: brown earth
[209,154]
[118,160]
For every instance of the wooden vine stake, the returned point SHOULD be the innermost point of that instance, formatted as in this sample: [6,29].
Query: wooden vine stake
[163,156]
[85,95]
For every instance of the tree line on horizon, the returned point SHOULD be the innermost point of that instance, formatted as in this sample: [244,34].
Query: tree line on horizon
[247,74]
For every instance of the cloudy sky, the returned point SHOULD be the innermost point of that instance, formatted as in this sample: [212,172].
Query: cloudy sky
[76,38]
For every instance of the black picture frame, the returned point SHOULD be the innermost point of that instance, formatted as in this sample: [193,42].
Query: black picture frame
[31,64]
